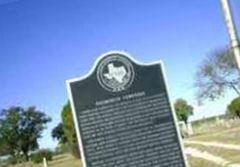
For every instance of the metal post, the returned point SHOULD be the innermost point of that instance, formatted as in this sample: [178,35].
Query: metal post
[231,30]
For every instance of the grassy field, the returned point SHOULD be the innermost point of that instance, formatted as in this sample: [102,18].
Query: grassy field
[225,136]
[69,161]
[231,155]
[230,136]
[65,160]
[196,162]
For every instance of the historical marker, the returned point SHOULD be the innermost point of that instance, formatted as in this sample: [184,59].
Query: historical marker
[123,115]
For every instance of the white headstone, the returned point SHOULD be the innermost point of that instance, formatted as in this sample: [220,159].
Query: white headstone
[189,129]
[45,164]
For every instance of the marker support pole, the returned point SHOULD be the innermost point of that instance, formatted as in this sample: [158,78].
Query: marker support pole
[231,30]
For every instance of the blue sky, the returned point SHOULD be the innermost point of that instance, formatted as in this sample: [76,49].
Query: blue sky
[45,42]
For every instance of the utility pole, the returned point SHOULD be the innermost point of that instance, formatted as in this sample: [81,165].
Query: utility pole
[231,30]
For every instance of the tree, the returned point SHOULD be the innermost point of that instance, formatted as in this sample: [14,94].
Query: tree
[68,123]
[65,131]
[20,128]
[4,150]
[183,110]
[69,129]
[58,133]
[217,74]
[234,107]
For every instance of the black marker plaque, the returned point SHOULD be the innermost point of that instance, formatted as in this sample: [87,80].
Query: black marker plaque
[123,115]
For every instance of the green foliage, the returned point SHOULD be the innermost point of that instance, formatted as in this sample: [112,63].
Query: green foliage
[62,148]
[217,74]
[4,150]
[183,110]
[38,157]
[3,163]
[65,132]
[69,129]
[12,160]
[8,161]
[20,128]
[58,133]
[68,125]
[234,107]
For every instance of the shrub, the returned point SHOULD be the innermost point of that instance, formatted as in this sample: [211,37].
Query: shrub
[3,163]
[38,157]
[75,150]
[12,160]
[234,107]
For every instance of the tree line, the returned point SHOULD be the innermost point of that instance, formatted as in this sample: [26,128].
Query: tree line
[20,128]
[65,132]
[217,75]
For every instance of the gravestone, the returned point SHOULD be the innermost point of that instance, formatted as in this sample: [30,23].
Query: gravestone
[190,129]
[45,164]
[123,116]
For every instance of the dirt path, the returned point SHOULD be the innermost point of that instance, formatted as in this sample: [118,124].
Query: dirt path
[215,144]
[209,157]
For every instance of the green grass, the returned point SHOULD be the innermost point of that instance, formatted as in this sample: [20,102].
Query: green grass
[65,160]
[226,136]
[197,162]
[230,136]
[230,155]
